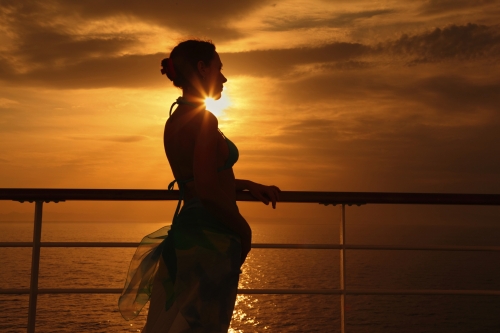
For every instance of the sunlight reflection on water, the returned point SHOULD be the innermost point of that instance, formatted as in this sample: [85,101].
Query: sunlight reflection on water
[265,268]
[240,316]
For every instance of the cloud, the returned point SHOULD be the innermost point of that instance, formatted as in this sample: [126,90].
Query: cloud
[143,70]
[41,39]
[281,62]
[6,103]
[336,21]
[465,42]
[446,6]
[452,94]
[112,138]
[194,17]
[76,63]
[435,90]
[51,37]
[122,71]
[402,154]
[454,42]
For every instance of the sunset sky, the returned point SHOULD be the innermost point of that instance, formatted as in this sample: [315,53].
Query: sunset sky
[323,95]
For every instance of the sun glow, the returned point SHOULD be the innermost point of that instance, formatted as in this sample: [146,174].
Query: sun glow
[217,107]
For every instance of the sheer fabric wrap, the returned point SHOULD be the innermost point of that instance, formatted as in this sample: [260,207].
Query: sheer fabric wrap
[199,261]
[141,273]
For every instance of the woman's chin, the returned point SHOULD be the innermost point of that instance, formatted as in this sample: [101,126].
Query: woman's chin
[216,97]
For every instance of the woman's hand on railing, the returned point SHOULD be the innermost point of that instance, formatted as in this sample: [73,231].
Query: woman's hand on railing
[263,193]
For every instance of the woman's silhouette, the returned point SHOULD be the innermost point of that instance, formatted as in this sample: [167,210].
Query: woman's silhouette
[192,274]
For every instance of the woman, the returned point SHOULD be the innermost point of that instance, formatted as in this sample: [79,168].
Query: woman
[192,275]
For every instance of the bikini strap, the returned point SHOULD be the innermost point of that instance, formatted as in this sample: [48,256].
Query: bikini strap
[181,195]
[180,101]
[181,185]
[176,102]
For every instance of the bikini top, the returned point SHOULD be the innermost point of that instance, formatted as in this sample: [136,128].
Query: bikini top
[232,158]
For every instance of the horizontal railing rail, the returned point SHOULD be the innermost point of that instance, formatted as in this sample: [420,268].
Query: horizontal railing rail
[288,291]
[270,246]
[348,198]
[39,196]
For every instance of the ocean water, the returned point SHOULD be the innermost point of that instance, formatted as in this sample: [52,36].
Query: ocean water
[270,268]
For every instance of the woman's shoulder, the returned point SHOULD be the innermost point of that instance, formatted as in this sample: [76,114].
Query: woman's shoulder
[196,122]
[210,119]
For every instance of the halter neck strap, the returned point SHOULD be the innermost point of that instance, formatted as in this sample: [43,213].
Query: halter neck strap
[181,101]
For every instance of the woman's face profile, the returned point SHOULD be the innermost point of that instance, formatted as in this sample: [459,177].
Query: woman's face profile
[214,79]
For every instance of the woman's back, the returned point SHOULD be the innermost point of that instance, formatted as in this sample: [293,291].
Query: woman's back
[186,128]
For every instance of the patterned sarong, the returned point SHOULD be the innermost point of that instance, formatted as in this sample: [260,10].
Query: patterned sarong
[190,271]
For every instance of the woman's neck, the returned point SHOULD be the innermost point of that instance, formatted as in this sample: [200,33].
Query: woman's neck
[194,99]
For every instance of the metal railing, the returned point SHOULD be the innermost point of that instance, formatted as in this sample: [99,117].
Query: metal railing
[39,196]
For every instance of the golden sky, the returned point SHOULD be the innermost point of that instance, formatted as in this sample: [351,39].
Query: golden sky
[324,95]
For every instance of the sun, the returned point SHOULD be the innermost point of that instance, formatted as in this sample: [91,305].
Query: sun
[217,107]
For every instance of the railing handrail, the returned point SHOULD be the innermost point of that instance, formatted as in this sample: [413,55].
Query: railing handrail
[349,198]
[284,291]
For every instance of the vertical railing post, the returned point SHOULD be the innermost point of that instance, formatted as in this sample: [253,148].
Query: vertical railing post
[342,269]
[35,265]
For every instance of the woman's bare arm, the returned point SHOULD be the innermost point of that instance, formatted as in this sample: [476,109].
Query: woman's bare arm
[261,192]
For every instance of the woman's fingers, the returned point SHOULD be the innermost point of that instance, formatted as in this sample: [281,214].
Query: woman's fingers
[266,194]
[273,194]
[262,198]
[258,193]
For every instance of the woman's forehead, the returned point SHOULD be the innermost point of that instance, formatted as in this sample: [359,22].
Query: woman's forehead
[216,60]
